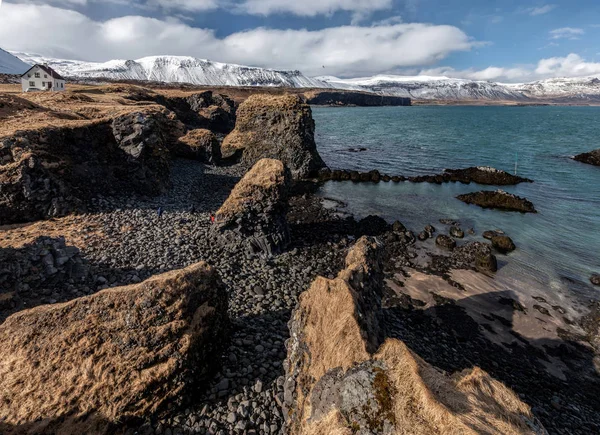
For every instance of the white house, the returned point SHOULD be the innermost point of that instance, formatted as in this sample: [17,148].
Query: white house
[42,78]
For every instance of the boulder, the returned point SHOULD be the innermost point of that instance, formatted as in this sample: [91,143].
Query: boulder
[430,229]
[254,215]
[591,158]
[371,226]
[456,232]
[491,233]
[100,362]
[499,200]
[595,279]
[484,175]
[199,144]
[343,378]
[485,261]
[53,171]
[503,244]
[445,242]
[278,127]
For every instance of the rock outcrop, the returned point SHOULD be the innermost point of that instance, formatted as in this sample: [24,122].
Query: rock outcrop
[278,127]
[591,158]
[499,200]
[445,242]
[199,144]
[254,215]
[100,362]
[54,170]
[342,378]
[484,175]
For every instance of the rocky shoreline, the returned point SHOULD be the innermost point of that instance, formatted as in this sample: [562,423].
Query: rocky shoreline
[123,240]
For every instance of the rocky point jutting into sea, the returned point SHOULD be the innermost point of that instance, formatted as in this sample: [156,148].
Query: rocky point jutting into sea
[167,267]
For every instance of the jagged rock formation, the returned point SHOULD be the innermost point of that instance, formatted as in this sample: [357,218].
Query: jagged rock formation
[591,158]
[199,144]
[53,170]
[254,215]
[278,127]
[96,363]
[341,379]
[485,175]
[206,110]
[499,200]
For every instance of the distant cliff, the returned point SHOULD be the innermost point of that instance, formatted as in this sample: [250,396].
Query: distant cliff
[346,98]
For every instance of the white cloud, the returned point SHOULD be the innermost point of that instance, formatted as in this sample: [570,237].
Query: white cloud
[566,33]
[345,51]
[312,8]
[540,10]
[572,65]
[185,5]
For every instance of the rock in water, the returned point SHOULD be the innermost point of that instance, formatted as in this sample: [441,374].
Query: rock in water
[485,261]
[199,144]
[277,127]
[254,215]
[503,244]
[456,232]
[499,200]
[484,175]
[595,279]
[341,379]
[591,158]
[98,362]
[445,242]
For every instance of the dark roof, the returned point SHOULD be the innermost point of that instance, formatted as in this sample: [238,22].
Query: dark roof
[48,71]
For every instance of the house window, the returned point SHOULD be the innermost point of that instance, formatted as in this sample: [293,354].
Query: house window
[37,75]
[43,84]
[32,84]
[29,75]
[45,76]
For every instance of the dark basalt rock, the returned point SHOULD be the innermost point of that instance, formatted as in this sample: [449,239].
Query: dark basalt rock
[485,261]
[503,244]
[591,158]
[595,279]
[484,175]
[371,226]
[445,242]
[430,229]
[423,235]
[254,215]
[456,232]
[276,127]
[499,200]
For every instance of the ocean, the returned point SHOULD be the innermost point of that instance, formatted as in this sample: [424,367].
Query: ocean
[558,248]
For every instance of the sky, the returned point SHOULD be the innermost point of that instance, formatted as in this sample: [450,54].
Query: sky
[495,40]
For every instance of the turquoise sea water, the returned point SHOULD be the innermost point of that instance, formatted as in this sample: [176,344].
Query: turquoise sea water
[558,248]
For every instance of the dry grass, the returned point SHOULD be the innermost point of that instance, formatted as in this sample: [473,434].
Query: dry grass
[417,398]
[197,138]
[119,353]
[265,175]
[77,231]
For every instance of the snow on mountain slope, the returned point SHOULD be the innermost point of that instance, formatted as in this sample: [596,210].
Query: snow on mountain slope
[428,88]
[178,69]
[582,88]
[10,64]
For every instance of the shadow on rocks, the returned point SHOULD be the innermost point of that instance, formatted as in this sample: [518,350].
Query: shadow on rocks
[450,339]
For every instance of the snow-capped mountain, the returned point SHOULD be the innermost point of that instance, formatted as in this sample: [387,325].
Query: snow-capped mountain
[575,88]
[10,64]
[183,69]
[177,69]
[428,88]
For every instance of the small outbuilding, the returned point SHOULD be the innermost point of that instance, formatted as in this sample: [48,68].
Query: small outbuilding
[42,78]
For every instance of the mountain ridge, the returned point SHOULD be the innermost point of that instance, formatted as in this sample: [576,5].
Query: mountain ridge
[190,70]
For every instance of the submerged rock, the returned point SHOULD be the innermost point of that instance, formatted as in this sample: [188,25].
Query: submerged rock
[595,279]
[456,232]
[277,127]
[123,354]
[254,215]
[343,378]
[498,200]
[591,158]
